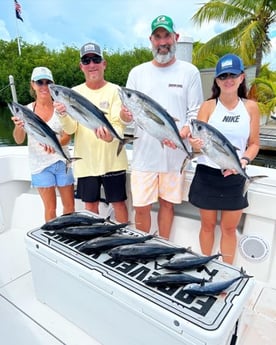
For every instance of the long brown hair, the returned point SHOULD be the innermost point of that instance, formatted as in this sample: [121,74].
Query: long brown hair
[242,90]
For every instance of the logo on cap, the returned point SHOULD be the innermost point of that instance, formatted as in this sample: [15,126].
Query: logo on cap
[162,19]
[227,63]
[89,47]
[162,22]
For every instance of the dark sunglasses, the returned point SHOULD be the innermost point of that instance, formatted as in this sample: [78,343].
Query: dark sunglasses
[41,82]
[225,76]
[95,59]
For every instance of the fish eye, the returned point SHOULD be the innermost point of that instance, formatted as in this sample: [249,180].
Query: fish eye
[199,128]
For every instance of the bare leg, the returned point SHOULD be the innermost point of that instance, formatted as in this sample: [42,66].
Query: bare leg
[143,218]
[120,210]
[228,243]
[48,196]
[67,198]
[207,230]
[92,206]
[165,218]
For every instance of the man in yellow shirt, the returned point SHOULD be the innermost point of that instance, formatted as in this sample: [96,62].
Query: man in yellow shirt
[100,165]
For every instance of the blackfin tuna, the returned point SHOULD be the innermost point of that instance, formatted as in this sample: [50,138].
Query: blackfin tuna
[144,251]
[219,149]
[72,219]
[87,232]
[173,279]
[84,111]
[152,118]
[188,262]
[101,244]
[213,288]
[39,129]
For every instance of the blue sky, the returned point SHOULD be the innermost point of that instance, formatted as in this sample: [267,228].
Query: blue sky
[114,24]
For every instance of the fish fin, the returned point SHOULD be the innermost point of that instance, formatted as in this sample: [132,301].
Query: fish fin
[79,111]
[155,118]
[220,148]
[107,219]
[202,283]
[190,251]
[130,140]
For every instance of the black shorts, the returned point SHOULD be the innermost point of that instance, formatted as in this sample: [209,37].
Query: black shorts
[210,190]
[114,185]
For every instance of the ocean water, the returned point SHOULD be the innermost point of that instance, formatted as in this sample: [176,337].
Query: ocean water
[6,127]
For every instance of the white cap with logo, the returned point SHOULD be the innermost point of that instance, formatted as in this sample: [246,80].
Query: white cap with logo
[42,73]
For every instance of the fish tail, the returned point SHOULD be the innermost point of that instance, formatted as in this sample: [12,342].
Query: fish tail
[189,157]
[123,142]
[120,146]
[257,177]
[249,180]
[73,159]
[184,164]
[69,161]
[244,274]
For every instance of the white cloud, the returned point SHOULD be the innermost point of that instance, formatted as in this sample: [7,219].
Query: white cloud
[115,24]
[4,33]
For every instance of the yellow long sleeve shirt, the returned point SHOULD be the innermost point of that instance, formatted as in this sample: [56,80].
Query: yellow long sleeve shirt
[97,156]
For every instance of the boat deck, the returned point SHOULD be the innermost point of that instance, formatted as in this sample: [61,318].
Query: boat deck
[35,322]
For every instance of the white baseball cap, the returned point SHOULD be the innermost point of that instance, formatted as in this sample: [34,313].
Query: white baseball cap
[42,73]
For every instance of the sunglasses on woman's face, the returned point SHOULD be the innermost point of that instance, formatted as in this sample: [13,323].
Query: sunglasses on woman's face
[41,82]
[95,59]
[225,76]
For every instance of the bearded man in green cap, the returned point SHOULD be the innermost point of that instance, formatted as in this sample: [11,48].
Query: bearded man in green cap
[155,169]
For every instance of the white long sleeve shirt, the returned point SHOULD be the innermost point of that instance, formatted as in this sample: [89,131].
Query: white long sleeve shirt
[178,89]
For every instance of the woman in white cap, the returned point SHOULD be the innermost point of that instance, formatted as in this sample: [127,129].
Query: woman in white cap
[237,118]
[48,169]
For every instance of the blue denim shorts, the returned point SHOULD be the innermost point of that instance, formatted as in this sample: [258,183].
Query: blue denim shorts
[53,175]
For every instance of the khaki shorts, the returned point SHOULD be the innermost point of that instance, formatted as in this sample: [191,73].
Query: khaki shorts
[147,187]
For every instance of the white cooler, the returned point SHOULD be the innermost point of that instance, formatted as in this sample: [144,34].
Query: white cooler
[109,300]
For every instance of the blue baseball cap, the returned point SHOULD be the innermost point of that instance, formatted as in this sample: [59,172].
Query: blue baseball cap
[229,63]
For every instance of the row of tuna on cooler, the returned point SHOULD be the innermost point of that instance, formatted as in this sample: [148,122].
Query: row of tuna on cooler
[98,235]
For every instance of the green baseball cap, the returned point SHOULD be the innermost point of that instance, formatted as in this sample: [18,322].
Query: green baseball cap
[162,22]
